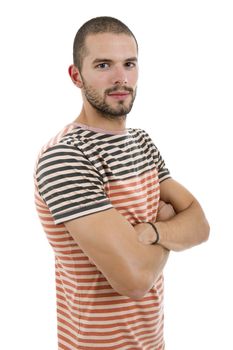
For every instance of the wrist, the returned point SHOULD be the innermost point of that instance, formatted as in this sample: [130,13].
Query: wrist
[148,236]
[162,229]
[156,239]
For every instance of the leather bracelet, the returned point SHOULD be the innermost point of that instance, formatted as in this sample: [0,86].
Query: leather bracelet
[156,231]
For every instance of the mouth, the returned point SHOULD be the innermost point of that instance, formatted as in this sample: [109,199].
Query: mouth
[119,95]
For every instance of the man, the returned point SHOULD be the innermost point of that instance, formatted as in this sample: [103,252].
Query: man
[109,207]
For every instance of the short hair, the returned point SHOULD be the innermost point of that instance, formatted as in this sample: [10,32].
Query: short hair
[96,25]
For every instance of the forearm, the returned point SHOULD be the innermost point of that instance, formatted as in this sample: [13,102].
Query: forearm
[143,264]
[152,257]
[185,230]
[154,260]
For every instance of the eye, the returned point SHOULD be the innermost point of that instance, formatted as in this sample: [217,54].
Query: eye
[130,64]
[102,65]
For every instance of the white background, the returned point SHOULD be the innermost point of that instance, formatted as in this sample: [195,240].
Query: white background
[184,101]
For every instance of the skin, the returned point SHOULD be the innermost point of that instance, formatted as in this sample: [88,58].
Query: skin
[123,253]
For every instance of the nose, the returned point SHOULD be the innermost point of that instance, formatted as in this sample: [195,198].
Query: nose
[119,76]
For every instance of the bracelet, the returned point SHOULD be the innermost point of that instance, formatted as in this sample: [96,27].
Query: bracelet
[156,231]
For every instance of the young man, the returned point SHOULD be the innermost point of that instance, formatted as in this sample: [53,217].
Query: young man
[109,207]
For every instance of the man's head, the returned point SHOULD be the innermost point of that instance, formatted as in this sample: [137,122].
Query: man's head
[105,66]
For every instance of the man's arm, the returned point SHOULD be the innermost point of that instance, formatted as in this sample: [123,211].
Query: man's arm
[189,227]
[111,242]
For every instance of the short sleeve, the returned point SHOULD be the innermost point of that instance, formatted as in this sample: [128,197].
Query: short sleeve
[163,172]
[69,184]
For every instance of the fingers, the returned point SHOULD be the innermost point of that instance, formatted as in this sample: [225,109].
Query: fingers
[165,211]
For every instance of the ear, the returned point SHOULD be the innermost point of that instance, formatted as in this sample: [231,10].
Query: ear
[75,76]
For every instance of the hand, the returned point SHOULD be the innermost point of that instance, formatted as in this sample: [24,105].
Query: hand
[165,211]
[145,232]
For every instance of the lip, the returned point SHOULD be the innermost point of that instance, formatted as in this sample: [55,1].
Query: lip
[119,95]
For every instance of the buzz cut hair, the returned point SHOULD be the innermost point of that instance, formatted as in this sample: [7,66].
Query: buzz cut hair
[96,25]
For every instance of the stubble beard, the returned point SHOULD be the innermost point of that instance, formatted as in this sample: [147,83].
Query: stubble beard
[105,110]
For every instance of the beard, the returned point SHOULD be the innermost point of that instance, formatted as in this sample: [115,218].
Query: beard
[106,110]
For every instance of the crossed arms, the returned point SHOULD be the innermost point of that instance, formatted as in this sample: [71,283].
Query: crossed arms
[123,253]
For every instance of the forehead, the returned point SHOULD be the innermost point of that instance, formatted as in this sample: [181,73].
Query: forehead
[109,45]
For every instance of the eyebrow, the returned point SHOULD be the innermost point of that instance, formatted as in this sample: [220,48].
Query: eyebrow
[99,60]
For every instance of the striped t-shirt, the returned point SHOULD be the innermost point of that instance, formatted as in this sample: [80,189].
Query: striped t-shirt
[83,171]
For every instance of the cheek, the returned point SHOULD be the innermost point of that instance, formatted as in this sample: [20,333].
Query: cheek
[98,84]
[133,78]
[104,80]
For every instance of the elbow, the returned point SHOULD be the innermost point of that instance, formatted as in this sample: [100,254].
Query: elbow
[202,233]
[136,293]
[205,232]
[137,288]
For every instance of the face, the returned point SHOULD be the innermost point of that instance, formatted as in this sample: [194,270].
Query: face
[109,74]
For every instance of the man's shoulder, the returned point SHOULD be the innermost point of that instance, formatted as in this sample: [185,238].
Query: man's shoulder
[58,138]
[142,130]
[138,131]
[56,141]
[142,133]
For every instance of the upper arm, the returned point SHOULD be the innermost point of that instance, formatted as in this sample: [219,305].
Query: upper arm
[177,195]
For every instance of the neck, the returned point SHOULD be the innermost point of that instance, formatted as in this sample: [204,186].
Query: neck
[94,119]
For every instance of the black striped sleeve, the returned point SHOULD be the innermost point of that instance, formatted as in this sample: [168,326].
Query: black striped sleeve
[163,172]
[70,184]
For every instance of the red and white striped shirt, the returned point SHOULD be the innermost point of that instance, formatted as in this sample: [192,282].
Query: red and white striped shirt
[82,171]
